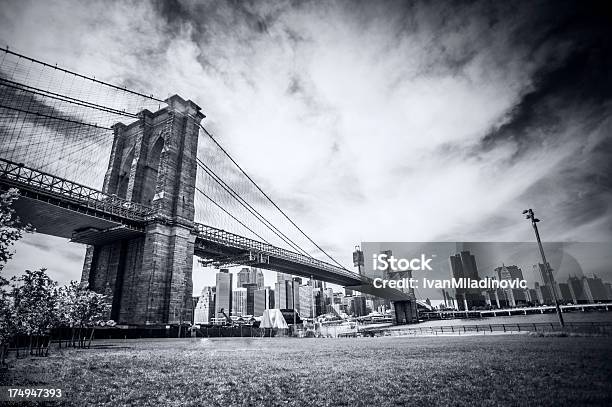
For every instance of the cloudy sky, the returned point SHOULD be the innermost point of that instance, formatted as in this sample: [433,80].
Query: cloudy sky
[367,121]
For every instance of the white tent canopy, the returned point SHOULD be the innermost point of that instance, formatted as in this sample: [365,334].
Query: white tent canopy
[273,318]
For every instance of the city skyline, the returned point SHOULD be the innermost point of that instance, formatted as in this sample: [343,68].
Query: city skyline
[568,258]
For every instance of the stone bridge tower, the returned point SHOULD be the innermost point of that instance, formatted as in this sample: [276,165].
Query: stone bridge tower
[153,162]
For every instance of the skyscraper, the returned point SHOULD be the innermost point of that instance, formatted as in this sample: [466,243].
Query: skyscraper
[463,265]
[594,289]
[283,291]
[239,302]
[546,274]
[283,277]
[205,309]
[514,296]
[263,300]
[250,302]
[566,294]
[244,276]
[280,294]
[293,301]
[306,301]
[577,290]
[224,292]
[257,277]
[250,275]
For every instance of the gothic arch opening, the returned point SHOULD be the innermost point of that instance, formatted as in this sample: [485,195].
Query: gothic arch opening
[151,171]
[124,175]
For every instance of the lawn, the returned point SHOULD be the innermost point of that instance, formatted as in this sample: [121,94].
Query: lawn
[386,371]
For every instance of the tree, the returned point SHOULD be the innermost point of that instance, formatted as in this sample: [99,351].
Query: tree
[8,327]
[82,309]
[11,230]
[35,297]
[11,227]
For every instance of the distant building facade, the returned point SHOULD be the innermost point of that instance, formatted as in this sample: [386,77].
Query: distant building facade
[205,308]
[239,302]
[263,300]
[463,265]
[223,292]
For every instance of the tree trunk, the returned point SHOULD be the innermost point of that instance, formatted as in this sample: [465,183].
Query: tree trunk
[3,352]
[72,338]
[48,345]
[30,344]
[93,328]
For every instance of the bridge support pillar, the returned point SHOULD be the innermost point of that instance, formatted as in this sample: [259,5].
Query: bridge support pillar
[405,312]
[153,162]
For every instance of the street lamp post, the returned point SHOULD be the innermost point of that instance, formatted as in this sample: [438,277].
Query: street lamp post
[531,216]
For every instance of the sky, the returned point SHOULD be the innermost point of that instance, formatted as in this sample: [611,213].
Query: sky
[366,121]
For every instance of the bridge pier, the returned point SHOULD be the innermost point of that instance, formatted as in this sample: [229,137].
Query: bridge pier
[153,162]
[405,312]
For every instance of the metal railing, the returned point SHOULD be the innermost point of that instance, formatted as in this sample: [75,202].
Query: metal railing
[575,327]
[223,237]
[19,176]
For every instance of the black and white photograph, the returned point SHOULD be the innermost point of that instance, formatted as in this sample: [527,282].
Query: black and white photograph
[305,203]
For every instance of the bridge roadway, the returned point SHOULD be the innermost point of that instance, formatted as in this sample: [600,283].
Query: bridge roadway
[58,207]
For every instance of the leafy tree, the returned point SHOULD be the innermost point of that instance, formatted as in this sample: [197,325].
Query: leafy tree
[35,298]
[82,309]
[8,327]
[11,227]
[11,230]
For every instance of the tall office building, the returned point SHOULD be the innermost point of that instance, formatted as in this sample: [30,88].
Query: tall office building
[286,290]
[283,277]
[566,294]
[280,294]
[577,290]
[223,292]
[244,276]
[463,265]
[294,301]
[306,295]
[544,293]
[257,277]
[514,296]
[250,304]
[546,274]
[205,308]
[357,306]
[594,289]
[239,302]
[250,275]
[608,291]
[263,300]
[282,290]
[532,296]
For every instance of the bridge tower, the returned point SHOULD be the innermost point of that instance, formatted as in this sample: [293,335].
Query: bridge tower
[153,162]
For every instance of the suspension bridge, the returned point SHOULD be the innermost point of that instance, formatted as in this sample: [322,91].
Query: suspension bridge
[145,186]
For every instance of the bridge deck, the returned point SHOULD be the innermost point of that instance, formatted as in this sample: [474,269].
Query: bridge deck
[60,207]
[35,183]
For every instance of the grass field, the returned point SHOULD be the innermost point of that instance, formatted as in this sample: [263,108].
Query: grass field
[477,370]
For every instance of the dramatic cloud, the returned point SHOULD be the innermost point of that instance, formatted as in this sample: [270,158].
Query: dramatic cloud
[406,121]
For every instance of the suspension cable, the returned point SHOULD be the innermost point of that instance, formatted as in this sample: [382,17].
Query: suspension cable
[268,198]
[250,208]
[80,75]
[232,216]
